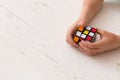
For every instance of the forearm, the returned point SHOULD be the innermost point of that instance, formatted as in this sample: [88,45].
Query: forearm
[90,9]
[119,39]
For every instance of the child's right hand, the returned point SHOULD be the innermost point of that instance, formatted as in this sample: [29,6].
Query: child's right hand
[71,31]
[107,42]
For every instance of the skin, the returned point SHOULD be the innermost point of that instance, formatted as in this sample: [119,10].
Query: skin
[108,40]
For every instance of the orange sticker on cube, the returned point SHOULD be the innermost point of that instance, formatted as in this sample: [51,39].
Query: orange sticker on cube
[76,39]
[81,28]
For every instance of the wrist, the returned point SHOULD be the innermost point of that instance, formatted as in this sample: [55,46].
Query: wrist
[82,21]
[89,9]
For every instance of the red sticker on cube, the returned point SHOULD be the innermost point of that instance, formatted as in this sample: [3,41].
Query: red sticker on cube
[94,30]
[89,38]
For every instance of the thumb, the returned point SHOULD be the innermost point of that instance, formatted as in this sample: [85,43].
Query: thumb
[100,31]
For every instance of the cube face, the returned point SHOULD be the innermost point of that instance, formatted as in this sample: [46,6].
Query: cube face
[86,33]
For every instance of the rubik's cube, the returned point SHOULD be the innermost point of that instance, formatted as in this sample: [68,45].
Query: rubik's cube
[85,33]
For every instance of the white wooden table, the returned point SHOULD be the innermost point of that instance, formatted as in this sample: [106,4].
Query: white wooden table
[33,47]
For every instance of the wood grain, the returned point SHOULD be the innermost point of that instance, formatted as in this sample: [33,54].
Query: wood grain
[33,47]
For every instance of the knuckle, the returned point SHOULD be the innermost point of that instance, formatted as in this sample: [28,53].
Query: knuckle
[92,46]
[88,50]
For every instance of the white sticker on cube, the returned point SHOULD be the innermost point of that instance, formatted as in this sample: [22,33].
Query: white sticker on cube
[78,33]
[91,34]
[83,36]
[88,28]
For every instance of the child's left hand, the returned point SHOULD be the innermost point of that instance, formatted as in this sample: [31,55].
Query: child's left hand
[108,41]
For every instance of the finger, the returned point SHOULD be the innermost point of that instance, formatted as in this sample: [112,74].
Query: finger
[100,31]
[83,51]
[69,37]
[70,41]
[89,50]
[86,44]
[93,45]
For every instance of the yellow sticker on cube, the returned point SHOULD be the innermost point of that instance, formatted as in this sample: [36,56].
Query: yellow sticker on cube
[86,32]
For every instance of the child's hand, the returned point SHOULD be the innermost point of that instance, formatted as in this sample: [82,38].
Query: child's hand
[108,41]
[71,31]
